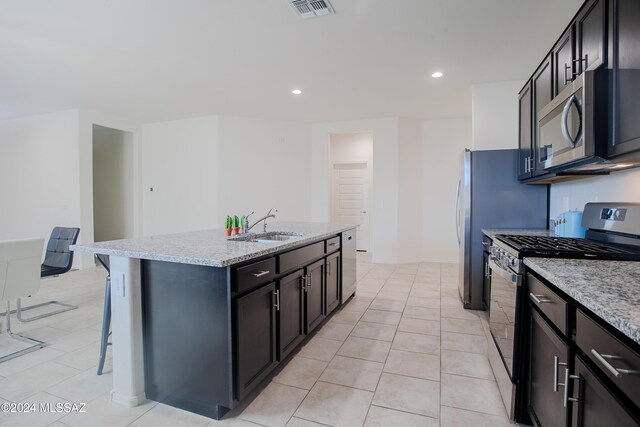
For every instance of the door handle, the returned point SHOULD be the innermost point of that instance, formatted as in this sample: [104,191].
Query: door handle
[261,273]
[564,125]
[277,304]
[363,211]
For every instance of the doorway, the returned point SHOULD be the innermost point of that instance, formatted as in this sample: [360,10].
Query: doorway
[351,158]
[113,184]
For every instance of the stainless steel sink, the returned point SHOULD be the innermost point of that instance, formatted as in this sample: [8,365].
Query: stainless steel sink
[270,237]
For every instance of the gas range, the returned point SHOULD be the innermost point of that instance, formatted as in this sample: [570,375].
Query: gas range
[608,238]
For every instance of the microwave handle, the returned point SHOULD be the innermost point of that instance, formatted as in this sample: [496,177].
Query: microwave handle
[564,125]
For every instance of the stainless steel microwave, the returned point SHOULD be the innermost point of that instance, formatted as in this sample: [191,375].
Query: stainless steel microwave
[566,128]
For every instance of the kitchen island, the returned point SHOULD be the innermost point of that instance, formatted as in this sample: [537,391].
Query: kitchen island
[200,319]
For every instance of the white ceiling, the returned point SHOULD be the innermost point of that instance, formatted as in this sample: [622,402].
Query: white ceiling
[153,60]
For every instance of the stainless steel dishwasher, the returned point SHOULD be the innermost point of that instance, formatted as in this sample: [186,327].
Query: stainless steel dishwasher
[349,263]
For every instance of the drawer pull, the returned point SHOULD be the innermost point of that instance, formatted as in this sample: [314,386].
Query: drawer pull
[261,273]
[332,244]
[616,372]
[539,299]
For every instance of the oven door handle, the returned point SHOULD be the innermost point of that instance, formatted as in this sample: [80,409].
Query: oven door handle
[513,278]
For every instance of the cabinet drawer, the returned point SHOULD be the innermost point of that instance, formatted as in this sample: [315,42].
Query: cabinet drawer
[612,356]
[299,257]
[332,245]
[252,275]
[550,303]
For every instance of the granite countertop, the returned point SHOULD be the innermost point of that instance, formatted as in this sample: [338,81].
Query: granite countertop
[211,247]
[492,232]
[610,289]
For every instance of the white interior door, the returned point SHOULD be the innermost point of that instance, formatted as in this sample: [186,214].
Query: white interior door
[350,204]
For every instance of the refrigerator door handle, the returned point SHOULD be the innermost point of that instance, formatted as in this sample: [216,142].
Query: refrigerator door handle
[458,210]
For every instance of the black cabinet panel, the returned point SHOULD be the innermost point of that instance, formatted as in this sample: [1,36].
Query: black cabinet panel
[255,320]
[591,36]
[563,71]
[290,313]
[627,79]
[333,282]
[299,257]
[548,354]
[187,336]
[315,284]
[596,405]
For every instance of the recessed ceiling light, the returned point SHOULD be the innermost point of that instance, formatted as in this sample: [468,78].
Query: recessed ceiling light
[296,91]
[437,75]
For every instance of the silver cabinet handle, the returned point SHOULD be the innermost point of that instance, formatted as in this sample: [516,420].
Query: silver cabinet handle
[261,273]
[540,299]
[277,304]
[309,282]
[328,268]
[526,164]
[332,244]
[616,372]
[363,211]
[556,364]
[566,399]
[530,164]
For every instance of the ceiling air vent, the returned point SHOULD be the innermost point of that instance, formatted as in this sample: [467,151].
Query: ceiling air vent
[312,8]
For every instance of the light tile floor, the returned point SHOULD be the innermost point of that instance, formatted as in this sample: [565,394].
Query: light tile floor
[403,352]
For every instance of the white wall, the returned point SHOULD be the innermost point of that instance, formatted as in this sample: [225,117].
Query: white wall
[384,222]
[263,164]
[113,184]
[623,186]
[494,115]
[205,168]
[39,175]
[442,145]
[180,163]
[410,191]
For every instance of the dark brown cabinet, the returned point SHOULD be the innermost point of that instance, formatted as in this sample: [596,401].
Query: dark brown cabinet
[548,360]
[255,320]
[542,86]
[562,58]
[290,312]
[591,36]
[626,136]
[314,295]
[525,133]
[594,405]
[333,282]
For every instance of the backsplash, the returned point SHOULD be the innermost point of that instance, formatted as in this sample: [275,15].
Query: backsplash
[621,186]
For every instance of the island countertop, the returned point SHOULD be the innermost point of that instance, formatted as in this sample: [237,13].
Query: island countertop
[607,288]
[211,247]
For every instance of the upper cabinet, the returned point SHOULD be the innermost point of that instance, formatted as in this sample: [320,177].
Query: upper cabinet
[573,123]
[563,71]
[626,136]
[591,36]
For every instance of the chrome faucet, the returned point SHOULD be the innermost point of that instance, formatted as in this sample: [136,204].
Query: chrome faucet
[264,218]
[245,224]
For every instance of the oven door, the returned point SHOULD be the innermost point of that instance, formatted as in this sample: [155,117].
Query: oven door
[563,133]
[505,296]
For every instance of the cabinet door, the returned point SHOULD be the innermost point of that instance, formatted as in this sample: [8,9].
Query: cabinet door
[525,130]
[333,282]
[542,86]
[290,313]
[596,406]
[563,71]
[627,79]
[255,319]
[549,357]
[314,295]
[591,37]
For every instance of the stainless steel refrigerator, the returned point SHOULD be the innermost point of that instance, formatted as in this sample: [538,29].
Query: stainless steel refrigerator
[489,195]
